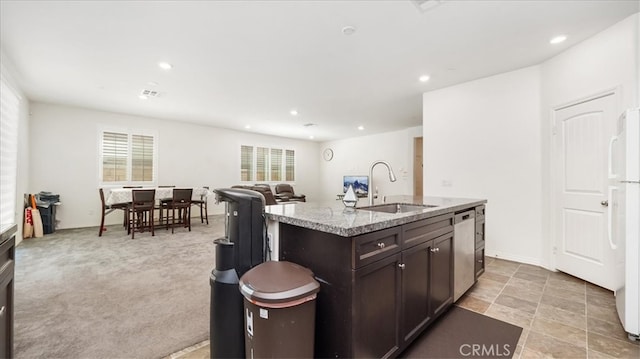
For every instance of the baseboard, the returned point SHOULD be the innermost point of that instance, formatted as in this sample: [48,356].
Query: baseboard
[515,258]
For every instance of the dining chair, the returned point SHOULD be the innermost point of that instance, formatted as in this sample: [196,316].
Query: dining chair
[142,209]
[162,204]
[181,201]
[202,203]
[108,208]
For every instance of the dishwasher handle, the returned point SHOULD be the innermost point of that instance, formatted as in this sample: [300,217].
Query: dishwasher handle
[464,216]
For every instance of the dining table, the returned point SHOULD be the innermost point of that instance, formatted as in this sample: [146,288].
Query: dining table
[124,195]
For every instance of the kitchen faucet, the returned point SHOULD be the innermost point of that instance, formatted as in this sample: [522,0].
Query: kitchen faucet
[392,178]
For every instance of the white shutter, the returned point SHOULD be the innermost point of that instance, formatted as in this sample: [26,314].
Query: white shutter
[276,164]
[246,163]
[262,158]
[9,116]
[290,169]
[115,154]
[141,158]
[271,164]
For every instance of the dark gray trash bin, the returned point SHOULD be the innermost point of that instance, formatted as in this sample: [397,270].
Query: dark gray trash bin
[279,310]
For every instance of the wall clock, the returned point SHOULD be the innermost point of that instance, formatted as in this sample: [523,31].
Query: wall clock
[327,154]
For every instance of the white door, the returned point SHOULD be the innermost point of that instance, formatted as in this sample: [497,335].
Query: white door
[582,133]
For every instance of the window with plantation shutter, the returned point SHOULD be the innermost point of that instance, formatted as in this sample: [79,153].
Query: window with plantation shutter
[289,165]
[276,164]
[264,164]
[115,155]
[141,158]
[9,116]
[128,157]
[246,163]
[262,155]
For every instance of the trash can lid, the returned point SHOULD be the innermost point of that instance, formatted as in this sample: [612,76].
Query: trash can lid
[277,282]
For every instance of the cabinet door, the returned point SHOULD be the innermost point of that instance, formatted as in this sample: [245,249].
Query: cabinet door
[441,274]
[415,290]
[7,258]
[6,313]
[377,309]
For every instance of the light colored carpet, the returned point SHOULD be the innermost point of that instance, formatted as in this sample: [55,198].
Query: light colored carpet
[78,295]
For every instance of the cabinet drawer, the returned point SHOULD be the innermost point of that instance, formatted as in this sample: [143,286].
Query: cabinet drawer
[373,246]
[7,252]
[424,230]
[479,263]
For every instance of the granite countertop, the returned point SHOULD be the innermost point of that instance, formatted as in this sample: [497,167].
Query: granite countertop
[333,217]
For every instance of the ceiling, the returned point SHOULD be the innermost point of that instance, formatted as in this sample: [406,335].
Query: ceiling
[239,63]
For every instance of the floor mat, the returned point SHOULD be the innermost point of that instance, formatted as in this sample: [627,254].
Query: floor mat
[461,333]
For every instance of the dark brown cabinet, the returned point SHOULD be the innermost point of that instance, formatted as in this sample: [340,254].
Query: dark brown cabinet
[441,295]
[376,304]
[416,263]
[379,290]
[7,265]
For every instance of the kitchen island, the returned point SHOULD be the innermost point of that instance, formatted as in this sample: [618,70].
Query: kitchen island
[384,277]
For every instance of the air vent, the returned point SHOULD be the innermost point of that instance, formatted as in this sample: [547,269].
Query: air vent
[426,5]
[309,124]
[149,93]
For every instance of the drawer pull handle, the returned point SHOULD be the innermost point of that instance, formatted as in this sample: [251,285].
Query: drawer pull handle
[381,245]
[435,250]
[480,261]
[3,310]
[401,265]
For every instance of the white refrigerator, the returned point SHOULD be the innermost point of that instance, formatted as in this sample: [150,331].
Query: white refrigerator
[624,218]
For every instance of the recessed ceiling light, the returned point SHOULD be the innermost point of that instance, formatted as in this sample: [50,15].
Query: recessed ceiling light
[165,65]
[294,112]
[557,39]
[311,137]
[143,97]
[424,78]
[247,126]
[348,30]
[360,128]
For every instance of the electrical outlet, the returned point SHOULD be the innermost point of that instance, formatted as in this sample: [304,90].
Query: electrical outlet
[447,183]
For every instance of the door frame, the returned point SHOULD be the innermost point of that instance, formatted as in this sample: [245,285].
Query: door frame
[418,172]
[553,173]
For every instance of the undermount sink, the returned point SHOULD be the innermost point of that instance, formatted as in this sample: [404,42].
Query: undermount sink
[397,207]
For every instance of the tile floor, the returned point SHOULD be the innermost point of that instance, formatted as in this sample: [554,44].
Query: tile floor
[561,316]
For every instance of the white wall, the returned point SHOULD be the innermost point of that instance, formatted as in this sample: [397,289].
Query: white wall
[482,140]
[608,60]
[64,157]
[354,156]
[491,138]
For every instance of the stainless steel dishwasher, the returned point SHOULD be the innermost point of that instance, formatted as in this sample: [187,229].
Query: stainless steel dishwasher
[464,252]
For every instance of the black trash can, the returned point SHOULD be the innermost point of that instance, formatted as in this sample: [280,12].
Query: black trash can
[279,310]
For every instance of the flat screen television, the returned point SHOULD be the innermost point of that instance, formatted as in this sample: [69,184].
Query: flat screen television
[360,184]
